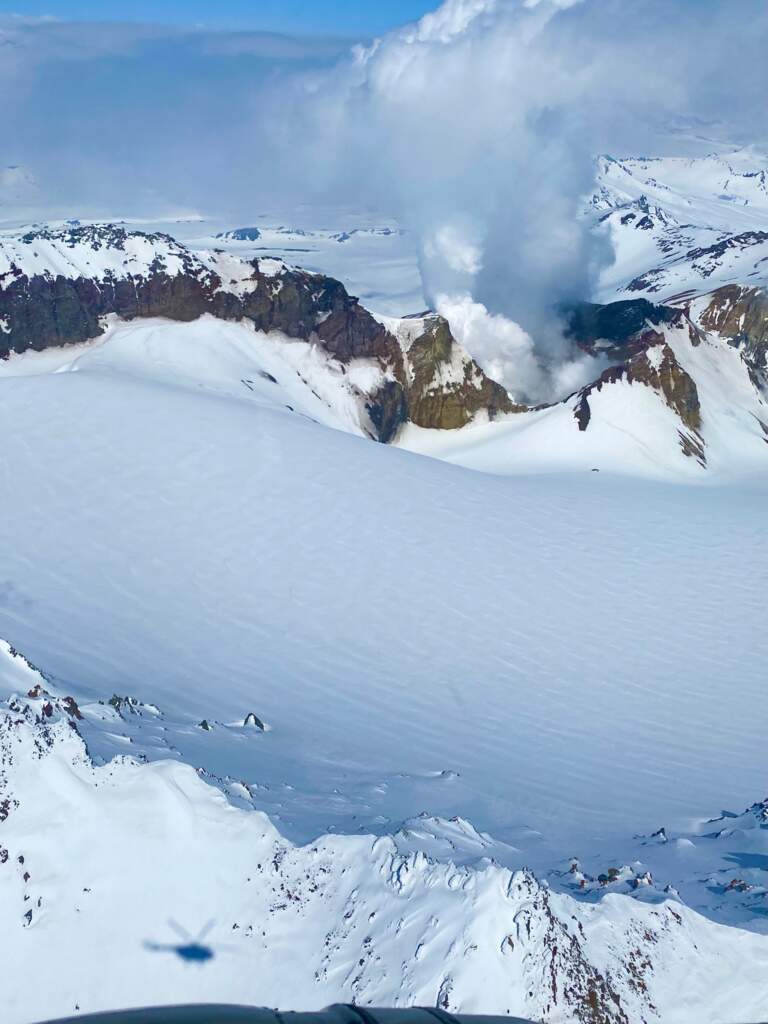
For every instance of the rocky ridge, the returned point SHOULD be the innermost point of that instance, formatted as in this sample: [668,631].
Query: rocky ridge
[62,286]
[57,286]
[634,335]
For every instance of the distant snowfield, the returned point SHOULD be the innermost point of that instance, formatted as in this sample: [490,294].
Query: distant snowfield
[581,655]
[683,226]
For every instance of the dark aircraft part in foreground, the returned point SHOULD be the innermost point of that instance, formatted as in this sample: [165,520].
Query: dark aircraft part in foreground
[244,1015]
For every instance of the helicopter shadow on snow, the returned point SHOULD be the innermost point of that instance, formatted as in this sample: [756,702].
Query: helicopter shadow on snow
[191,950]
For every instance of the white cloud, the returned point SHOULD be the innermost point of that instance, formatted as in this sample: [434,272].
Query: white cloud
[451,246]
[509,354]
[450,20]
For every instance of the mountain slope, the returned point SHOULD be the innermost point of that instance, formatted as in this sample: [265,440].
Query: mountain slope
[680,226]
[304,344]
[344,918]
[58,284]
[683,397]
[679,336]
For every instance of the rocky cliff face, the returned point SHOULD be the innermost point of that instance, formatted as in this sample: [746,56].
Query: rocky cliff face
[58,285]
[438,385]
[740,316]
[656,346]
[447,389]
[45,309]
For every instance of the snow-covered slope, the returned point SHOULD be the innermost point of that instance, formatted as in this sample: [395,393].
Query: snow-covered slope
[220,358]
[129,850]
[680,226]
[218,556]
[392,379]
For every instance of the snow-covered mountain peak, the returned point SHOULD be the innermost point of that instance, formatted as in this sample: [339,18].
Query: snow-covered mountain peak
[703,185]
[683,225]
[93,252]
[17,675]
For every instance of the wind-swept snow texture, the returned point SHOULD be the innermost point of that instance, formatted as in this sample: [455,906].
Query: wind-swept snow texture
[563,653]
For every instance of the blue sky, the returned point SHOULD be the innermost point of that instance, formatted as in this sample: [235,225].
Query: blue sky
[117,98]
[336,17]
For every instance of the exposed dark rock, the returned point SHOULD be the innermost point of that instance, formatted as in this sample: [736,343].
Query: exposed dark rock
[582,412]
[70,707]
[441,395]
[435,384]
[740,315]
[388,410]
[738,885]
[613,329]
[241,235]
[693,446]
